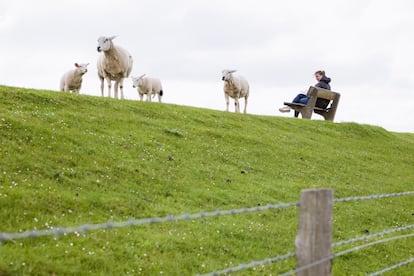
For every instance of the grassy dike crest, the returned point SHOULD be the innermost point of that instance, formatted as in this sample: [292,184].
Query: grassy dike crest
[68,160]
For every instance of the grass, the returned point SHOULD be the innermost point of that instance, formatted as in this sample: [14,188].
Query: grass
[68,160]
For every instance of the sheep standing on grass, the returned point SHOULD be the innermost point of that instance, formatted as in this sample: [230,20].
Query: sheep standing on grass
[114,65]
[148,86]
[235,87]
[72,80]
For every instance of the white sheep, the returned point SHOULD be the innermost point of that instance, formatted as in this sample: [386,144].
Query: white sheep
[72,80]
[147,86]
[114,65]
[235,87]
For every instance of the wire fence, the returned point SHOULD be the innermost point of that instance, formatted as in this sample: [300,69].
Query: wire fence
[291,255]
[303,268]
[56,231]
[340,243]
[370,197]
[134,222]
[250,265]
[375,235]
[392,267]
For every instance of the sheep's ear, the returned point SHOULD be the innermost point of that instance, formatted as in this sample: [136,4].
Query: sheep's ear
[112,37]
[76,65]
[232,71]
[141,76]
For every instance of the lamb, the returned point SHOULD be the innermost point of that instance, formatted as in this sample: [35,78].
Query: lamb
[114,65]
[147,86]
[72,80]
[235,87]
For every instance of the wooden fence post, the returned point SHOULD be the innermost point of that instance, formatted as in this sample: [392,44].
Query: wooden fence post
[314,238]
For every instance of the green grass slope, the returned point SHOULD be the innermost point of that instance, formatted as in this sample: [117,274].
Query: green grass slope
[68,160]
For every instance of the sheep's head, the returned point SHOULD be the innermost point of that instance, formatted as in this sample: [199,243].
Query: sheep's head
[82,67]
[104,43]
[226,74]
[137,81]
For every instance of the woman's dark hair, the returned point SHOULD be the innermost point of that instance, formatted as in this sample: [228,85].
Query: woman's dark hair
[320,72]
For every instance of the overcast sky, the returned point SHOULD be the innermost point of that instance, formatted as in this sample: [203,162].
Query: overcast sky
[364,46]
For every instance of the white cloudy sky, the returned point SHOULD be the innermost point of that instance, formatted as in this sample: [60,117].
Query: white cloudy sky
[364,46]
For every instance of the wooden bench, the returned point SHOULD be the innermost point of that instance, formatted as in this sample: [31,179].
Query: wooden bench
[314,93]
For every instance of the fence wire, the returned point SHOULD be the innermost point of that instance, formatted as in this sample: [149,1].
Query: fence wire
[375,235]
[250,265]
[134,222]
[306,267]
[392,267]
[361,198]
[290,255]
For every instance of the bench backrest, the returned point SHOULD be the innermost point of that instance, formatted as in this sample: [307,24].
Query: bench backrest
[322,93]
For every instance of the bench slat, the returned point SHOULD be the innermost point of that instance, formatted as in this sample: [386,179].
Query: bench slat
[325,94]
[299,105]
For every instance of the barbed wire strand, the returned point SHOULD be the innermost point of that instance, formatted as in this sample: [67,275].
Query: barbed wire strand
[392,267]
[305,267]
[379,196]
[134,222]
[100,226]
[276,259]
[250,265]
[373,243]
[374,235]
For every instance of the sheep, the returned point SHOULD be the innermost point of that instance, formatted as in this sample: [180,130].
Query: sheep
[235,87]
[72,80]
[114,65]
[147,86]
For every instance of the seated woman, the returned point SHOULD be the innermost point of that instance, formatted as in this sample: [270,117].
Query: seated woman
[323,82]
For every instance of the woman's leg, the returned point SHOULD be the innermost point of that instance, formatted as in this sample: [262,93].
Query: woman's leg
[299,97]
[304,100]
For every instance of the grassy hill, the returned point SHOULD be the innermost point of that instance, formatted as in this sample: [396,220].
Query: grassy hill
[67,160]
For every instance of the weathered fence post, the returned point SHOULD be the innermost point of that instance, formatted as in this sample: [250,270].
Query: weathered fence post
[314,238]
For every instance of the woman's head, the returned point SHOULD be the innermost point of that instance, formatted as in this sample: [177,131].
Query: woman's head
[319,74]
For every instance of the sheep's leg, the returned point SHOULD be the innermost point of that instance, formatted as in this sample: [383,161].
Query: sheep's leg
[150,93]
[159,97]
[116,89]
[227,101]
[245,105]
[102,86]
[121,87]
[236,105]
[109,87]
[140,94]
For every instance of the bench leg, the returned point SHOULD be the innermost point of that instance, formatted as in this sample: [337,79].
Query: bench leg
[307,113]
